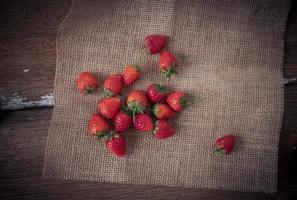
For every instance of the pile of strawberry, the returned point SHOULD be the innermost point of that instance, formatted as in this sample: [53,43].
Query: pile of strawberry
[146,111]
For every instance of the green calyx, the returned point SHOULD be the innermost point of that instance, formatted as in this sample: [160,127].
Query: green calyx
[183,102]
[102,134]
[106,135]
[220,151]
[160,88]
[89,90]
[136,67]
[108,93]
[135,108]
[168,73]
[156,110]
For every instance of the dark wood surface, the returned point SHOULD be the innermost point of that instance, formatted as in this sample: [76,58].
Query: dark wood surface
[27,41]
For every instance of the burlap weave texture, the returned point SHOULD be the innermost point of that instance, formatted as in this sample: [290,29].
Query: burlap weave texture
[232,55]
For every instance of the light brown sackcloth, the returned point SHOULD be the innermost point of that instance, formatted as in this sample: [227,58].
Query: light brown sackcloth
[232,55]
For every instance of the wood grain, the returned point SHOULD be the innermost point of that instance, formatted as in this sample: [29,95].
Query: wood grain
[27,41]
[290,65]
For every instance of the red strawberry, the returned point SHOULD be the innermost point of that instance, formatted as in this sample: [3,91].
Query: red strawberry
[116,144]
[144,122]
[113,85]
[163,130]
[177,101]
[167,63]
[109,107]
[137,101]
[87,82]
[131,74]
[155,43]
[163,111]
[225,144]
[156,93]
[122,122]
[98,125]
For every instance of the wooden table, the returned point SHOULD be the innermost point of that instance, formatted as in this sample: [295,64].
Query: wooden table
[27,59]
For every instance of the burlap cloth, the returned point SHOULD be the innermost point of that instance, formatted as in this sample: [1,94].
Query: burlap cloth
[232,52]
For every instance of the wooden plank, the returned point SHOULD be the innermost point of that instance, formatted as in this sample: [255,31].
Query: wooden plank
[287,161]
[28,32]
[17,102]
[290,64]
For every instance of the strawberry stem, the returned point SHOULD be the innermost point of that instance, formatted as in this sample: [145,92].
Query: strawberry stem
[133,114]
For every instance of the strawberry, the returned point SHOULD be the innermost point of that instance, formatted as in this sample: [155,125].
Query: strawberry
[144,122]
[131,74]
[116,144]
[155,43]
[137,102]
[225,144]
[122,122]
[163,111]
[113,85]
[98,125]
[109,107]
[163,129]
[177,101]
[167,63]
[156,93]
[87,82]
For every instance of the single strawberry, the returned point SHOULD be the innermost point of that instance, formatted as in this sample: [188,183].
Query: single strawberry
[177,101]
[113,85]
[109,106]
[116,144]
[137,102]
[225,144]
[167,63]
[163,111]
[163,129]
[144,122]
[156,93]
[87,82]
[98,125]
[122,122]
[131,74]
[155,43]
